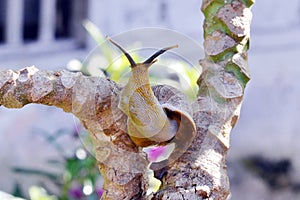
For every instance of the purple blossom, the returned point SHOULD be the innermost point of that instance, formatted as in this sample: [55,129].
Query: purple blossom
[76,192]
[99,192]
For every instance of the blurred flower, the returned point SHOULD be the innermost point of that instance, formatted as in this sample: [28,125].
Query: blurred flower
[88,187]
[76,192]
[74,65]
[99,192]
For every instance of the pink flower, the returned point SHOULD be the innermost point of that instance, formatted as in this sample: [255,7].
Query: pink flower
[159,153]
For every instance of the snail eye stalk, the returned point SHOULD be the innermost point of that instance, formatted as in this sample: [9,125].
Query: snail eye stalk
[131,61]
[158,53]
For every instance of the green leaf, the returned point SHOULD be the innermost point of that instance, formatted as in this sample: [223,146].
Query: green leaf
[97,35]
[39,193]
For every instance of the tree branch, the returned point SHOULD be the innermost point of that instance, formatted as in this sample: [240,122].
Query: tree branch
[93,100]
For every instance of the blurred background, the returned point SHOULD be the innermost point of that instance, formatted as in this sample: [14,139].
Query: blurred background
[40,146]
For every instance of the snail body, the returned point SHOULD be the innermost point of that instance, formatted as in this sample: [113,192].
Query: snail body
[152,120]
[147,120]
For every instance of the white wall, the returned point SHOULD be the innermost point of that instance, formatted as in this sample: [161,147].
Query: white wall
[270,117]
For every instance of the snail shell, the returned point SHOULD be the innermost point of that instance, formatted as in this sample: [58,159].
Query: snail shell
[177,107]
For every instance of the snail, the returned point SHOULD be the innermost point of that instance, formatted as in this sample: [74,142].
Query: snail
[158,115]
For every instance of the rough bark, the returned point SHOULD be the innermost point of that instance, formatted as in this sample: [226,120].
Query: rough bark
[93,100]
[200,173]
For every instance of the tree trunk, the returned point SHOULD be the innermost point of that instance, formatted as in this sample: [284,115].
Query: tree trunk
[200,173]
